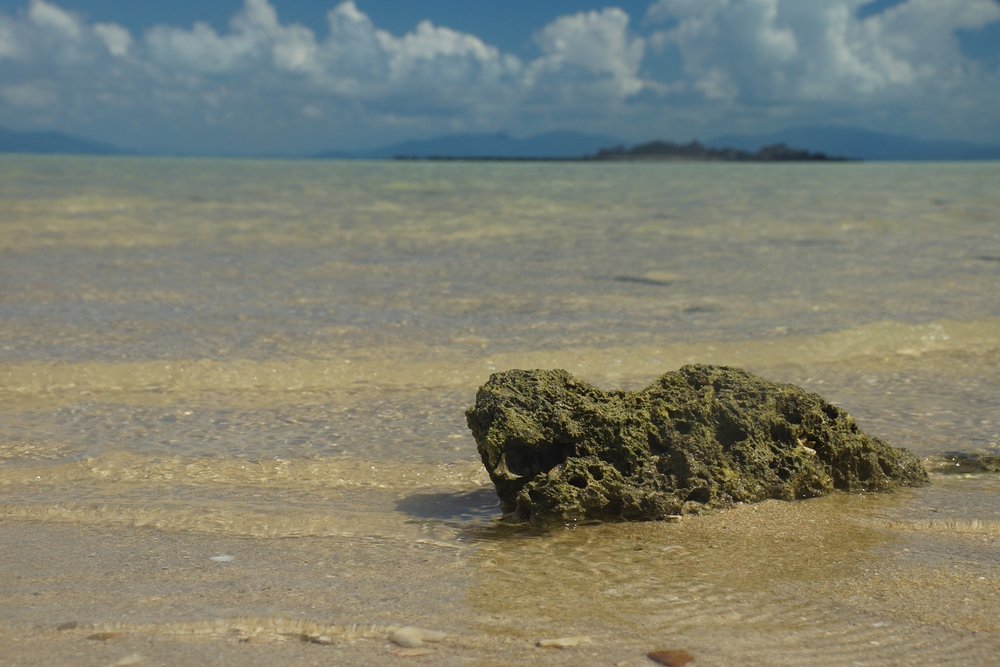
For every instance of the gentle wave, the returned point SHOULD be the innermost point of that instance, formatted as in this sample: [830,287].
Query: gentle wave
[124,468]
[404,368]
[268,499]
[241,521]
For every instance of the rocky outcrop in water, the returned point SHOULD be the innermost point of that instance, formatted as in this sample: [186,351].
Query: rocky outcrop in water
[702,437]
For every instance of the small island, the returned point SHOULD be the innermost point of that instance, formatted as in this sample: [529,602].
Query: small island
[696,151]
[650,151]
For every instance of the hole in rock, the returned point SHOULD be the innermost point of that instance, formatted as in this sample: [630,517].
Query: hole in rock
[781,433]
[729,433]
[520,461]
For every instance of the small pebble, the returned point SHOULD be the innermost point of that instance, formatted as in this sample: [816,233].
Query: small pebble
[562,642]
[410,637]
[105,636]
[407,638]
[677,658]
[222,559]
[325,640]
[132,659]
[68,625]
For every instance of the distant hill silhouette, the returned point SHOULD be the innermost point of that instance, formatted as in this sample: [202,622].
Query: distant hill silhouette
[861,144]
[696,151]
[566,145]
[842,142]
[846,142]
[54,143]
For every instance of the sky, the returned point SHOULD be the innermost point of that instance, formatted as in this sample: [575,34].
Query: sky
[279,77]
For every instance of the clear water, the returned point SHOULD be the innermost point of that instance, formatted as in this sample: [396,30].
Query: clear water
[233,350]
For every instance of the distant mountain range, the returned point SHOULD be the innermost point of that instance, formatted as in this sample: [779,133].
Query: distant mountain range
[860,144]
[53,142]
[845,142]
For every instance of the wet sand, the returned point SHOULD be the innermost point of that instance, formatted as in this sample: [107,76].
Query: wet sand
[868,580]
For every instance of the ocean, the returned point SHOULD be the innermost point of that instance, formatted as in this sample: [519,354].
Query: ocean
[232,399]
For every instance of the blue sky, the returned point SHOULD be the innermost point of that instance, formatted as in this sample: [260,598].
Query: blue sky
[293,76]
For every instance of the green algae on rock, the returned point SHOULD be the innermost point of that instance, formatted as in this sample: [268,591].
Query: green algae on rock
[702,437]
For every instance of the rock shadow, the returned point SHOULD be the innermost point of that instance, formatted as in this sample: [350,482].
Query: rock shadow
[464,507]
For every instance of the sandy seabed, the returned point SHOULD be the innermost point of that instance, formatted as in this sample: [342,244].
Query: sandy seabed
[843,580]
[267,364]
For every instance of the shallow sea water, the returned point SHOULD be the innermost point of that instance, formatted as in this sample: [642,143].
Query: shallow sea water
[270,361]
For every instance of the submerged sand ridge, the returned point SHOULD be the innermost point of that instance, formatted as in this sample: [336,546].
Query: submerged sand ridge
[704,437]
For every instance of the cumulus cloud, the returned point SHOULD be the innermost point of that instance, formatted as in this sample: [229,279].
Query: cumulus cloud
[430,71]
[200,50]
[117,40]
[50,36]
[51,18]
[260,76]
[56,68]
[596,47]
[431,65]
[765,51]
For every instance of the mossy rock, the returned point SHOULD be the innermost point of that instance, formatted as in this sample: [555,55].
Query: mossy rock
[702,437]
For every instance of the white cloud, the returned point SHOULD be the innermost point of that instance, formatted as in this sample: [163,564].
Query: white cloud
[596,44]
[819,50]
[701,60]
[354,50]
[295,50]
[449,67]
[51,18]
[117,40]
[49,36]
[256,41]
[200,50]
[431,67]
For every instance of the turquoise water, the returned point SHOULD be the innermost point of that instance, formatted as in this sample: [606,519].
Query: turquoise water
[268,350]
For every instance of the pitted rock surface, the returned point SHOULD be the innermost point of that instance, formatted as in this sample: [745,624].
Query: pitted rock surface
[702,437]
